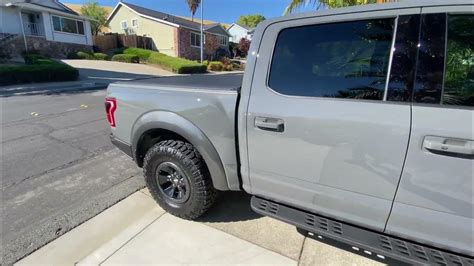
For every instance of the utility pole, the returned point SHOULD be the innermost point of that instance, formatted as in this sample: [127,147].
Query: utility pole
[202,32]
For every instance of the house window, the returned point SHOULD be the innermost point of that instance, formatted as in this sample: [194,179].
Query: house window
[124,24]
[68,25]
[222,40]
[134,22]
[195,39]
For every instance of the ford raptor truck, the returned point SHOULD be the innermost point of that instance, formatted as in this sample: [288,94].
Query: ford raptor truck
[355,124]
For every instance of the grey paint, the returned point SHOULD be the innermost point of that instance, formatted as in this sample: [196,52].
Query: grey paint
[340,158]
[346,155]
[205,117]
[435,200]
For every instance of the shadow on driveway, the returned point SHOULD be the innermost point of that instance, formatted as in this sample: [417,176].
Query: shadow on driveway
[231,206]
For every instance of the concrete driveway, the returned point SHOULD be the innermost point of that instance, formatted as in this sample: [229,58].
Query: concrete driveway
[137,231]
[109,71]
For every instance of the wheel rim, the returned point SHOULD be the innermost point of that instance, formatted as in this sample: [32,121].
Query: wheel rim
[172,182]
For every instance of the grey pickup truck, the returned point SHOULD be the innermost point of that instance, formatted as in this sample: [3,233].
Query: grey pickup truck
[355,124]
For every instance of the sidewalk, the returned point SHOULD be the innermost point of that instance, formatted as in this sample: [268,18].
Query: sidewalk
[137,231]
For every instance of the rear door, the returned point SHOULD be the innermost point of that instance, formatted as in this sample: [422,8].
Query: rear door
[434,203]
[329,123]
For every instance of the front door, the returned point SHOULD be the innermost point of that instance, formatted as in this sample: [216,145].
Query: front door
[324,133]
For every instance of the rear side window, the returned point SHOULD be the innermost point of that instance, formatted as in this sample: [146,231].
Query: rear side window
[459,70]
[339,60]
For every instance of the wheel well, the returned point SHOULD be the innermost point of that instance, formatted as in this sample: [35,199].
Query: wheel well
[150,138]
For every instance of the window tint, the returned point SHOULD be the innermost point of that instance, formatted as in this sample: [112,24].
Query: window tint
[68,25]
[195,39]
[80,27]
[459,77]
[124,24]
[56,24]
[429,75]
[135,22]
[340,60]
[402,72]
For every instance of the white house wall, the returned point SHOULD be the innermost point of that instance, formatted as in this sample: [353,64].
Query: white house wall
[9,21]
[237,33]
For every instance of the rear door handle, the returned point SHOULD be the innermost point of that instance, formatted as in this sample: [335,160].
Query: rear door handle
[270,124]
[461,148]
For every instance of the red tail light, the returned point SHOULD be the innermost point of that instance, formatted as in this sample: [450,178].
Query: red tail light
[110,107]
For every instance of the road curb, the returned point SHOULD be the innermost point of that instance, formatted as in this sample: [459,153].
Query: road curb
[25,91]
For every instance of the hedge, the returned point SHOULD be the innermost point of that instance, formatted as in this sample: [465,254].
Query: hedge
[126,58]
[87,55]
[176,64]
[34,58]
[143,54]
[39,72]
[100,56]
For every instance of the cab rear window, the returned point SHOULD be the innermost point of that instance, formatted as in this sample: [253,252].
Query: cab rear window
[459,70]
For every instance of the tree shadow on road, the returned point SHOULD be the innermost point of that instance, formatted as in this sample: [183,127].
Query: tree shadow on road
[231,206]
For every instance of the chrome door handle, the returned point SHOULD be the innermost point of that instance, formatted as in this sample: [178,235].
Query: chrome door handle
[270,124]
[449,146]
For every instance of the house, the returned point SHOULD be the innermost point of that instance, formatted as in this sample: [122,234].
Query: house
[171,35]
[46,26]
[238,32]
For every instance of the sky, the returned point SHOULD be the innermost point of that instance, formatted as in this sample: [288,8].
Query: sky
[224,11]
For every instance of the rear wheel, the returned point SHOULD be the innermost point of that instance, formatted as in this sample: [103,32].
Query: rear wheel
[178,179]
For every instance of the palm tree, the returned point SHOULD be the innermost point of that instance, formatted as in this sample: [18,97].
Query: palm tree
[193,6]
[294,4]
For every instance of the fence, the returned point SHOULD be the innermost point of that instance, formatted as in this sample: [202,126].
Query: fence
[105,43]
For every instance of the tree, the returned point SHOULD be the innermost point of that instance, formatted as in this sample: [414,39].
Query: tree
[295,4]
[243,46]
[193,6]
[210,46]
[97,13]
[250,20]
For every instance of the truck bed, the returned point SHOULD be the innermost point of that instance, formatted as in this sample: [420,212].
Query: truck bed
[222,82]
[208,102]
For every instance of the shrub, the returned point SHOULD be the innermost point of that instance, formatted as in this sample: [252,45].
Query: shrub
[215,66]
[143,54]
[175,64]
[33,58]
[126,58]
[119,50]
[42,71]
[244,46]
[80,55]
[101,56]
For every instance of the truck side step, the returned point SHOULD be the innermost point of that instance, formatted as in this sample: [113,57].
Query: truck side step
[368,240]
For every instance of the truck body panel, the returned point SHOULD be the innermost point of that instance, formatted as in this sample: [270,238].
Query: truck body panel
[207,101]
[359,162]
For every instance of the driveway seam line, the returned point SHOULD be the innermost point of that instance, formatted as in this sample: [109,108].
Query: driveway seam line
[301,251]
[133,237]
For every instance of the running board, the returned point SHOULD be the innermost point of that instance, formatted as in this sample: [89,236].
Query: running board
[358,237]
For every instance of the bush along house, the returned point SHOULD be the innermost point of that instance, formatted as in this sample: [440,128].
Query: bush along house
[172,35]
[47,26]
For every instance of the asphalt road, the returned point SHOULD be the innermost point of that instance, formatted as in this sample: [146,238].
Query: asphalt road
[58,168]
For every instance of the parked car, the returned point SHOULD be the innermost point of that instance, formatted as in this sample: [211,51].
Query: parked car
[355,124]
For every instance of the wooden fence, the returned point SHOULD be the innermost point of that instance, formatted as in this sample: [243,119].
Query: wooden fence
[107,42]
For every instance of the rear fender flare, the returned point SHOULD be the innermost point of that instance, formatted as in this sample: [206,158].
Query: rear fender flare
[175,123]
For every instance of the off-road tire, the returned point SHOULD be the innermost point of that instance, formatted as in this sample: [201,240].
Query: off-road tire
[184,155]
